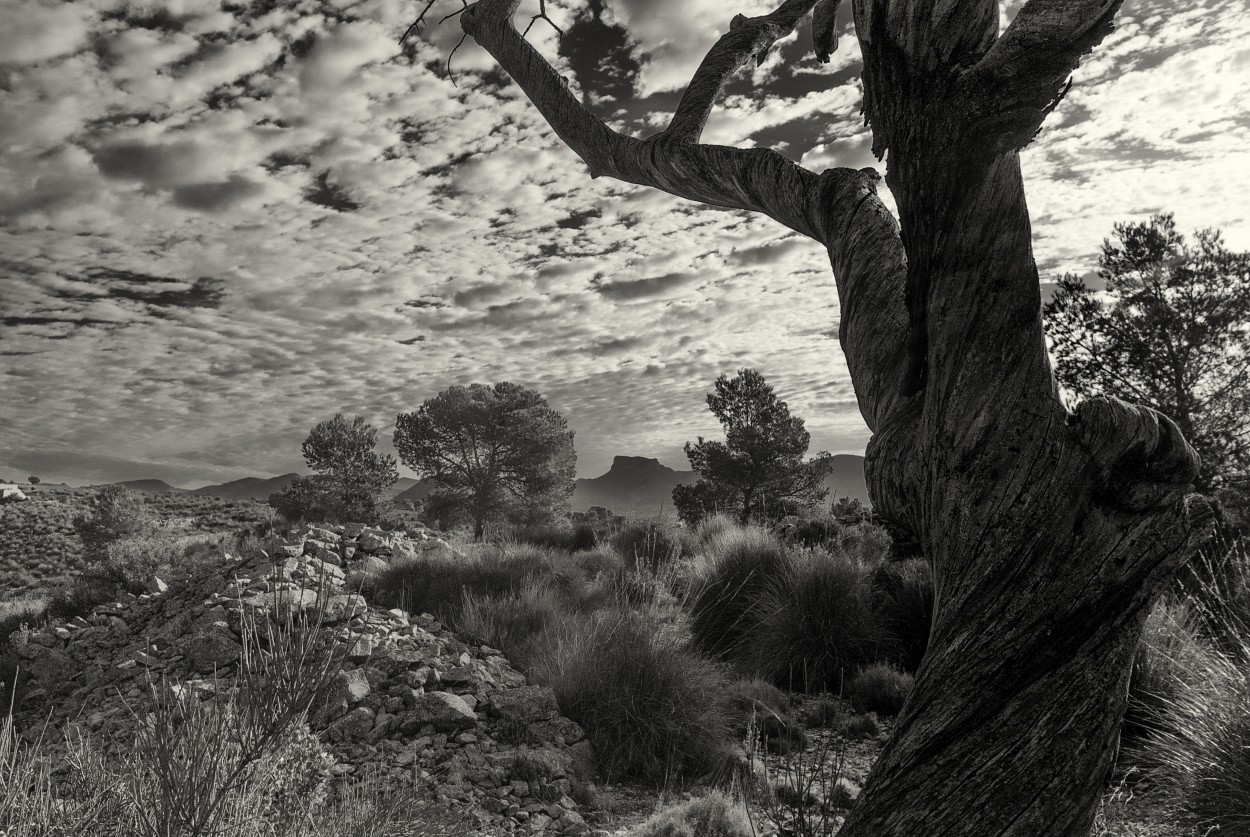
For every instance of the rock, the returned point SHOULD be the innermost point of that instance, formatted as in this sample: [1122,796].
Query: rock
[361,649]
[525,703]
[155,585]
[353,530]
[212,648]
[345,606]
[371,542]
[353,726]
[445,711]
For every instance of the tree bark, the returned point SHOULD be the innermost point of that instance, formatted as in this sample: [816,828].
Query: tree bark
[1049,532]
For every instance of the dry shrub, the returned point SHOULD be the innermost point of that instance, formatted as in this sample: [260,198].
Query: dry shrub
[436,583]
[712,815]
[903,598]
[880,688]
[739,564]
[650,707]
[814,624]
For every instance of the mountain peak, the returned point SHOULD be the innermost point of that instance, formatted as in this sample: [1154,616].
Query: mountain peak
[638,465]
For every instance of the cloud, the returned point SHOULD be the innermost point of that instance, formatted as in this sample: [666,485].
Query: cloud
[35,32]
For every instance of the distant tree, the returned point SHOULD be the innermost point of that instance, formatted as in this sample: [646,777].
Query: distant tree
[352,476]
[759,470]
[1172,332]
[34,480]
[306,499]
[495,452]
[114,513]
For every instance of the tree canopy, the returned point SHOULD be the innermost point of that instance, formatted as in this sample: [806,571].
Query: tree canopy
[494,452]
[758,471]
[114,513]
[352,475]
[1172,331]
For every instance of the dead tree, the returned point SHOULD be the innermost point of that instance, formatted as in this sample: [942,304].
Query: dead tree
[1049,531]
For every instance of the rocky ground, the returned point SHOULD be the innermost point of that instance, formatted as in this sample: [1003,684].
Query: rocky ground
[417,707]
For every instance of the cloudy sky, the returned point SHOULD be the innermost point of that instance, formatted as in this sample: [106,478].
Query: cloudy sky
[221,222]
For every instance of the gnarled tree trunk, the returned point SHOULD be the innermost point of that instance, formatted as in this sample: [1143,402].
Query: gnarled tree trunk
[1049,531]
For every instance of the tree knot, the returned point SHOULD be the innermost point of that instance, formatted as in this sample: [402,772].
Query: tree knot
[1141,456]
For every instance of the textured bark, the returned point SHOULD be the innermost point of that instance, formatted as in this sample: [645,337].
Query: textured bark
[1049,531]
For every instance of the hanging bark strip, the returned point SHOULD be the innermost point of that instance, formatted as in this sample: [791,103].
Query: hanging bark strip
[1049,532]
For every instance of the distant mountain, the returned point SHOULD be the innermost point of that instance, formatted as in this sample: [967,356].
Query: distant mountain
[634,484]
[847,479]
[149,486]
[257,488]
[416,491]
[248,488]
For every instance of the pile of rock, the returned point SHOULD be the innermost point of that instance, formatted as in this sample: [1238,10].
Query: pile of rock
[413,703]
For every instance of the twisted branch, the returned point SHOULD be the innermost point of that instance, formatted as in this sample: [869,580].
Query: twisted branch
[1027,71]
[747,38]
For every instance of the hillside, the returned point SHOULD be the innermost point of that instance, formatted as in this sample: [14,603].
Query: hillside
[642,485]
[636,484]
[40,547]
[148,486]
[259,488]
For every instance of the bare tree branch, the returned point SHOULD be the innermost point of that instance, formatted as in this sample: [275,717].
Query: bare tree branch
[824,29]
[1024,76]
[747,38]
[759,180]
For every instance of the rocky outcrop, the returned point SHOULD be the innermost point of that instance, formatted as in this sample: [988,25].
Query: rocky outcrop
[412,701]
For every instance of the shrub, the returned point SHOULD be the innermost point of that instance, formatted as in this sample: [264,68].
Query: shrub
[814,623]
[648,546]
[880,688]
[740,564]
[511,621]
[1202,741]
[113,513]
[437,583]
[759,703]
[712,815]
[902,595]
[650,708]
[1170,661]
[857,727]
[576,538]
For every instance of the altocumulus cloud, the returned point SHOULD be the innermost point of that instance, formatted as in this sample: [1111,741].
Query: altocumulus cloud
[221,224]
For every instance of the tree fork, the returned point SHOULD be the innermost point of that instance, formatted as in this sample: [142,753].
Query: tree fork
[1049,532]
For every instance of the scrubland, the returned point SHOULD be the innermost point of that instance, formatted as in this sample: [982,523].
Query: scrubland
[739,679]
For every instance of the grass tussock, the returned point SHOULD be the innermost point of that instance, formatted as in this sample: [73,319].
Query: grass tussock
[650,707]
[715,814]
[738,565]
[880,688]
[814,623]
[648,546]
[436,583]
[903,598]
[1193,695]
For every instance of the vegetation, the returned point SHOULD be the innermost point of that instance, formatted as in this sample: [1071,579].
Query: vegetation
[758,472]
[880,688]
[114,513]
[495,452]
[714,814]
[1170,332]
[351,480]
[650,707]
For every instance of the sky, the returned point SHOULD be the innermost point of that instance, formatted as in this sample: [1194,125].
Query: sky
[223,222]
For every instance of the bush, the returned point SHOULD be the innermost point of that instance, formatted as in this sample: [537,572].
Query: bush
[650,708]
[902,595]
[648,546]
[813,623]
[510,622]
[713,815]
[740,563]
[113,513]
[1170,661]
[880,688]
[577,538]
[1202,742]
[437,584]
